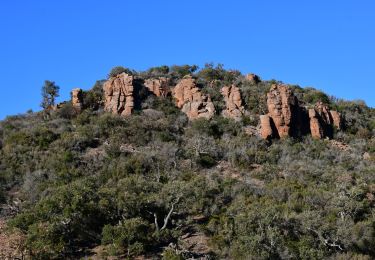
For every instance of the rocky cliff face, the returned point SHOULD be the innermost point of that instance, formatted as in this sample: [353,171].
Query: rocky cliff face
[287,118]
[160,86]
[77,99]
[233,101]
[322,121]
[191,101]
[118,94]
[283,109]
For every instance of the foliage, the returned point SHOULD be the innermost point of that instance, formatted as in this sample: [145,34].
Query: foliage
[118,70]
[146,184]
[49,93]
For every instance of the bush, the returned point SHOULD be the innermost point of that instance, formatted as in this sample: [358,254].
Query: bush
[118,70]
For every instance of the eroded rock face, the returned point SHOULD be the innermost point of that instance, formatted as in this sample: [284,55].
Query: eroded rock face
[77,99]
[336,117]
[160,86]
[233,101]
[282,108]
[287,118]
[118,94]
[322,120]
[191,101]
[266,129]
[316,127]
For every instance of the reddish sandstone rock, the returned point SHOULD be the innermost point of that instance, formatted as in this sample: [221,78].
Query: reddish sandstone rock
[77,99]
[191,101]
[118,94]
[336,117]
[160,86]
[321,121]
[233,101]
[282,108]
[316,128]
[266,130]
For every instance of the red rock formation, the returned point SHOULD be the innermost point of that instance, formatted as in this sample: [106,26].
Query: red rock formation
[266,130]
[160,86]
[336,117]
[233,101]
[118,94]
[316,128]
[282,108]
[321,121]
[77,99]
[191,101]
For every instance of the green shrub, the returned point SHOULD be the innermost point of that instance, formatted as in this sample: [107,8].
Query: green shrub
[118,70]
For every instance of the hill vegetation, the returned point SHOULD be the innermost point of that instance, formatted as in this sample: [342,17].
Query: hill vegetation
[156,184]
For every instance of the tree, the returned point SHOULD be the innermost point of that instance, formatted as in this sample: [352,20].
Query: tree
[49,93]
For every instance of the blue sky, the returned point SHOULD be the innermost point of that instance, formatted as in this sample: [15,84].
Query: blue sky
[328,45]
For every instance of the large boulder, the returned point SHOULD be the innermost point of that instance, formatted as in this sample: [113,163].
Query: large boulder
[77,99]
[191,101]
[233,101]
[159,86]
[118,94]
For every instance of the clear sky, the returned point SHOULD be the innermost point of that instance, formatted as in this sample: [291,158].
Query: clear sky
[326,44]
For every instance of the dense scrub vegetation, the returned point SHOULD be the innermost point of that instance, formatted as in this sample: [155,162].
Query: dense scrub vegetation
[137,185]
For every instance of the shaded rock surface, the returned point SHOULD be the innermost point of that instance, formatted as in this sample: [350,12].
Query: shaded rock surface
[77,99]
[266,131]
[233,101]
[253,78]
[118,94]
[160,86]
[191,101]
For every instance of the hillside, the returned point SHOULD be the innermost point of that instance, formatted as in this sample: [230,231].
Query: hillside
[180,163]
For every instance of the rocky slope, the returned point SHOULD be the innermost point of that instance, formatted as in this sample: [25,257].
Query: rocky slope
[180,163]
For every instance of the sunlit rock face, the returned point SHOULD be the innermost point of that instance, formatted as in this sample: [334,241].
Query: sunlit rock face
[233,103]
[118,94]
[191,101]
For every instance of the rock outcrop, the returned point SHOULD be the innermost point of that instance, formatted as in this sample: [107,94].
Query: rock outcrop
[322,121]
[77,99]
[266,130]
[233,101]
[253,78]
[160,86]
[118,94]
[316,127]
[191,101]
[287,118]
[283,109]
[337,121]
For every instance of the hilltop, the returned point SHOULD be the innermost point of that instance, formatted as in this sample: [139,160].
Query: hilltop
[176,163]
